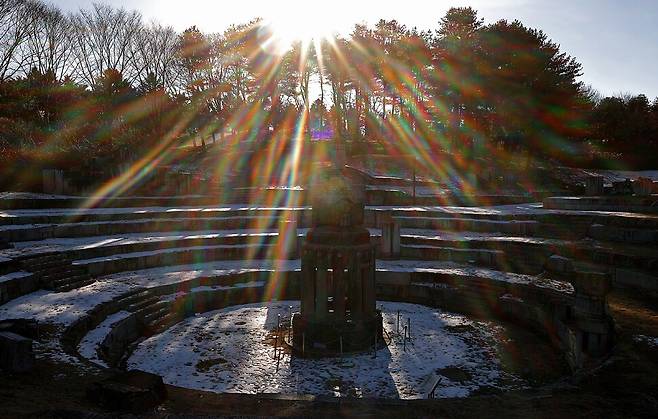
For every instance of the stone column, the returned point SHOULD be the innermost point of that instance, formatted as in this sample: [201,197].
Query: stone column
[368,284]
[356,294]
[321,293]
[308,283]
[339,290]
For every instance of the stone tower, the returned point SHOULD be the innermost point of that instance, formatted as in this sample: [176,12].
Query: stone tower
[338,311]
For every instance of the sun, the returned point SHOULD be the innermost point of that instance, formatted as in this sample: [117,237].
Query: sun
[285,30]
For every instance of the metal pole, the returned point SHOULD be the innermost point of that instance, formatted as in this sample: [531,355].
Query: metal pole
[404,340]
[409,326]
[397,326]
[414,185]
[303,343]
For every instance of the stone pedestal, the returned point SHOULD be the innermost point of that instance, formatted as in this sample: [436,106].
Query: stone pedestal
[594,186]
[338,302]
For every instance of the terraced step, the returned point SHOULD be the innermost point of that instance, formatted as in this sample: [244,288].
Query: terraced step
[451,254]
[81,217]
[133,297]
[141,303]
[64,274]
[623,235]
[79,276]
[151,319]
[106,228]
[148,310]
[175,256]
[164,323]
[523,227]
[74,284]
[53,270]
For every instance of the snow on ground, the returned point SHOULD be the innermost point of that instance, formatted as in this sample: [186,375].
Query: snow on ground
[459,270]
[66,307]
[417,233]
[620,175]
[33,195]
[89,344]
[649,340]
[206,288]
[14,275]
[163,251]
[535,208]
[62,307]
[409,190]
[229,351]
[73,212]
[61,244]
[91,242]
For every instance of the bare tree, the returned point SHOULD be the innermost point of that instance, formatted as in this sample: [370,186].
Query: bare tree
[17,19]
[49,44]
[155,56]
[105,38]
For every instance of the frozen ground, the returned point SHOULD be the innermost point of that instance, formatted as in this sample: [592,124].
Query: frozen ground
[231,350]
[89,344]
[197,211]
[65,307]
[649,340]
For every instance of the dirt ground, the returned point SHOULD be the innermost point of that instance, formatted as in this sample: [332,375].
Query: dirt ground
[625,385]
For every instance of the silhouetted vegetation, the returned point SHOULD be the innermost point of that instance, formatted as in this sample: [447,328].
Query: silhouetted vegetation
[101,87]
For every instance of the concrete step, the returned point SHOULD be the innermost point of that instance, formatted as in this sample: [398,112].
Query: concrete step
[71,279]
[48,266]
[74,285]
[152,318]
[480,256]
[54,277]
[53,270]
[522,227]
[152,308]
[164,323]
[623,235]
[142,303]
[133,297]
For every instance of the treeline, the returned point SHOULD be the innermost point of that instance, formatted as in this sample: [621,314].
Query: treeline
[103,84]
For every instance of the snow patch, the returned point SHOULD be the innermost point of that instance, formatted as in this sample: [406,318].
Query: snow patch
[89,344]
[228,350]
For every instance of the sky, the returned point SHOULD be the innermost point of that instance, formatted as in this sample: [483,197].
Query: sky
[615,41]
